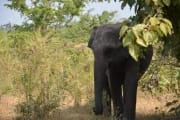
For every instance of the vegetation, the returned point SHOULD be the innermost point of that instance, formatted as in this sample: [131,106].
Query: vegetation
[46,59]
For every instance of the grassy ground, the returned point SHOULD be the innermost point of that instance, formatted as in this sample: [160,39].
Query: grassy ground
[148,108]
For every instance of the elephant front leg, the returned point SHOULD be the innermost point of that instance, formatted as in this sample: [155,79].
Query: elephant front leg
[99,83]
[130,91]
[116,92]
[130,101]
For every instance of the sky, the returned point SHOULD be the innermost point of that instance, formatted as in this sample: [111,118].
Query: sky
[13,17]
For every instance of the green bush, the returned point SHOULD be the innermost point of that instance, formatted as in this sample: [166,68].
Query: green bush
[44,71]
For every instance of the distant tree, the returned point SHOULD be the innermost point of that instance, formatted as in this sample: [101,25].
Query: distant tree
[44,13]
[6,27]
[80,29]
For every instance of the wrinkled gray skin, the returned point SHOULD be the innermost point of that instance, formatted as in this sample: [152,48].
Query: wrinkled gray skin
[116,72]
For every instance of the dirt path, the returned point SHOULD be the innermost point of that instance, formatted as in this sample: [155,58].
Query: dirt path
[148,108]
[7,107]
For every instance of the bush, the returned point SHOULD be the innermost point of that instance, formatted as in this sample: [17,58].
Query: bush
[44,70]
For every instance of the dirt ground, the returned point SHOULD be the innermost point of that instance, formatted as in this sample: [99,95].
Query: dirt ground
[148,108]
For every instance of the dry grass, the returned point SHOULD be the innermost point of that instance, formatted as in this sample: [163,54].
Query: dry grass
[148,108]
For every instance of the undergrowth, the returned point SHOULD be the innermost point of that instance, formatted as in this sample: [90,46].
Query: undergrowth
[45,69]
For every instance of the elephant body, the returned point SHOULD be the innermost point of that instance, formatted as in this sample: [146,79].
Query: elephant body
[115,71]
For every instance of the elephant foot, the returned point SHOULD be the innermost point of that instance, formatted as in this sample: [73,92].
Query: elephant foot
[97,112]
[119,113]
[119,117]
[124,118]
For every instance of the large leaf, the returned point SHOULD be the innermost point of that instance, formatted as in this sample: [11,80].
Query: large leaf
[158,2]
[167,2]
[127,40]
[141,42]
[134,51]
[148,2]
[166,21]
[123,30]
[155,37]
[154,21]
[155,2]
[137,30]
[148,37]
[163,28]
[158,31]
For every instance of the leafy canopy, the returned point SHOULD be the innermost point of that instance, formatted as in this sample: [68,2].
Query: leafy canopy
[148,26]
[43,13]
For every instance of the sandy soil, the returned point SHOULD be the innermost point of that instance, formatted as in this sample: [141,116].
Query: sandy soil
[7,107]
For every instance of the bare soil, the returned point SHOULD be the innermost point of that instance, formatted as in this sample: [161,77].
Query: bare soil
[149,107]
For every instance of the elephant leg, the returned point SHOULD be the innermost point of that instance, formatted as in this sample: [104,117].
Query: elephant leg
[145,61]
[99,81]
[116,92]
[130,90]
[107,100]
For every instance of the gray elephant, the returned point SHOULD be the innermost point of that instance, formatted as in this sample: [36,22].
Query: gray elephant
[116,72]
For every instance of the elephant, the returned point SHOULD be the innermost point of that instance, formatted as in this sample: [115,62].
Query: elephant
[116,73]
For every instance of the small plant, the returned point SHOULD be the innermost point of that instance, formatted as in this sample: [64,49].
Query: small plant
[38,81]
[50,70]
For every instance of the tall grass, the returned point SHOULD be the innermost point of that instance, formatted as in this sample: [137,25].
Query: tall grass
[44,69]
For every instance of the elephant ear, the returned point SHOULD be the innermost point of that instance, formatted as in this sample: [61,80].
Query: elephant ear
[93,33]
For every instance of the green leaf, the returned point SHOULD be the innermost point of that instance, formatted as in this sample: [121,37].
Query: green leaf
[167,22]
[133,51]
[148,37]
[148,2]
[155,2]
[141,42]
[163,28]
[154,37]
[158,31]
[123,30]
[134,30]
[139,27]
[127,40]
[158,3]
[154,21]
[137,30]
[169,29]
[167,2]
